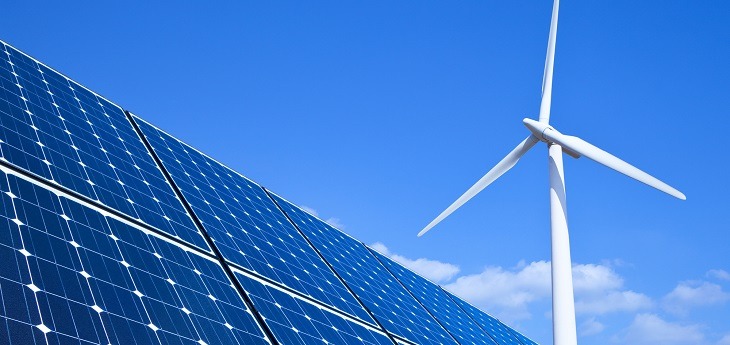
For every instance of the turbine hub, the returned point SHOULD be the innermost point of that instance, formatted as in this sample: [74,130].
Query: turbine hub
[538,129]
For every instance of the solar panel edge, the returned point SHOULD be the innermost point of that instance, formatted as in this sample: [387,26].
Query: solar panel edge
[414,296]
[72,83]
[372,315]
[278,209]
[512,330]
[399,338]
[312,215]
[3,42]
[451,296]
[188,208]
[135,117]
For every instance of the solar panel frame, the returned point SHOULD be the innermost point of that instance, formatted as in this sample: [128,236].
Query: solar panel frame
[501,333]
[61,131]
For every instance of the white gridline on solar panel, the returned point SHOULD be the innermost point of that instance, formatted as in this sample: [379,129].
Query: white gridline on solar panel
[140,294]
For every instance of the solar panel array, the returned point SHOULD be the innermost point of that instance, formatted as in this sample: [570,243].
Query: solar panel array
[114,232]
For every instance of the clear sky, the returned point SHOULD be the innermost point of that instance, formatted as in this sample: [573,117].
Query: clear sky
[379,114]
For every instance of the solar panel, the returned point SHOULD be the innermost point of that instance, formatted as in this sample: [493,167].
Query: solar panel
[96,246]
[383,295]
[64,133]
[296,321]
[78,275]
[496,329]
[246,225]
[523,339]
[435,300]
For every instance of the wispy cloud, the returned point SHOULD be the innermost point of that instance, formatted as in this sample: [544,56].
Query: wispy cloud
[335,222]
[590,327]
[719,274]
[434,270]
[612,301]
[689,294]
[650,329]
[310,210]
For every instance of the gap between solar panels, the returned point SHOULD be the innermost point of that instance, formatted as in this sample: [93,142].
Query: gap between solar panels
[249,272]
[104,209]
[229,266]
[390,335]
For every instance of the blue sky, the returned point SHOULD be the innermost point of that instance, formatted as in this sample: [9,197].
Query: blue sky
[378,115]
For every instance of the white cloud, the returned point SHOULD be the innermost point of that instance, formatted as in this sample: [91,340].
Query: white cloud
[719,274]
[612,301]
[505,292]
[690,294]
[433,270]
[592,278]
[590,327]
[651,329]
[510,292]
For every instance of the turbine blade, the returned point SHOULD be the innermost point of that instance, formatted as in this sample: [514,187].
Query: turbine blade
[547,77]
[594,153]
[502,167]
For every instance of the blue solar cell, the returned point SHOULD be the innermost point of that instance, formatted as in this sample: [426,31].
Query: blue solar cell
[523,339]
[450,315]
[246,225]
[70,274]
[391,304]
[56,129]
[499,332]
[296,321]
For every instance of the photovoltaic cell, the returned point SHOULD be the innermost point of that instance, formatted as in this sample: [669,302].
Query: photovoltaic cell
[381,293]
[246,225]
[56,129]
[295,321]
[523,339]
[74,275]
[450,315]
[499,332]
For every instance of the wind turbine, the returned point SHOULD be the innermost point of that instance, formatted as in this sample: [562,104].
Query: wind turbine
[564,332]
